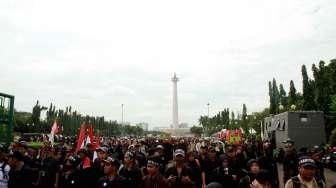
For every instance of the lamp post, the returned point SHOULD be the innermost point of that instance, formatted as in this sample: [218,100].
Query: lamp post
[208,109]
[122,114]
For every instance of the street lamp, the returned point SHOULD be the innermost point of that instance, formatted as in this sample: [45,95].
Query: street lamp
[122,114]
[208,109]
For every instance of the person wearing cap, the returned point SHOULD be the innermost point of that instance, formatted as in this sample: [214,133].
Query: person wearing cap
[98,164]
[69,176]
[316,154]
[290,160]
[101,156]
[154,179]
[130,171]
[159,150]
[177,173]
[111,178]
[305,178]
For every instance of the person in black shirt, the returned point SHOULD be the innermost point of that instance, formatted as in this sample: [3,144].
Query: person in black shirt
[208,165]
[154,179]
[253,170]
[69,177]
[111,178]
[19,175]
[225,175]
[130,171]
[178,174]
[98,163]
[290,160]
[195,168]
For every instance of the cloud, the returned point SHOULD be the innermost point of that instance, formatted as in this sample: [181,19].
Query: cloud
[97,55]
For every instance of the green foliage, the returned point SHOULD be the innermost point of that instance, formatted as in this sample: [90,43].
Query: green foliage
[244,121]
[333,103]
[323,86]
[37,109]
[215,123]
[197,131]
[274,95]
[283,98]
[292,95]
[69,122]
[332,138]
[308,91]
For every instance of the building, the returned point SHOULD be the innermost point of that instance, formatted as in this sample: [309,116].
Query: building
[306,128]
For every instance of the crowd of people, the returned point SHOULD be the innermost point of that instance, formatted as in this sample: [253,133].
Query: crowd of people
[159,163]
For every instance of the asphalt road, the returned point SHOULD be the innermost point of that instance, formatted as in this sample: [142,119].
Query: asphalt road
[329,174]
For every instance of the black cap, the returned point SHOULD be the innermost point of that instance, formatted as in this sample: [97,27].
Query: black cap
[154,160]
[112,161]
[288,141]
[306,161]
[251,161]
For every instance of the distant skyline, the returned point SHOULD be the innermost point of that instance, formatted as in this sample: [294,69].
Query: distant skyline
[97,55]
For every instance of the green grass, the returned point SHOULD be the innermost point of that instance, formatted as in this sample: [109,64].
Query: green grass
[36,145]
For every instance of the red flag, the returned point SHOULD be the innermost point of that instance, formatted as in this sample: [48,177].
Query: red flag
[90,133]
[92,138]
[81,137]
[54,128]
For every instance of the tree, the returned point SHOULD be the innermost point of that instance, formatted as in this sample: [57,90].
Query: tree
[276,96]
[272,99]
[308,91]
[332,138]
[292,96]
[197,131]
[333,104]
[244,122]
[323,86]
[283,97]
[37,109]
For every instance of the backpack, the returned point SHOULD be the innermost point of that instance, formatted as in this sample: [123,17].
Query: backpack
[4,175]
[296,182]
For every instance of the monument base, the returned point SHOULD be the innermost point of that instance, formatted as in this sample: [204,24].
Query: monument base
[178,132]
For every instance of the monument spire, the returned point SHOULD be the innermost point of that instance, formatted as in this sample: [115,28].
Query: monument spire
[175,123]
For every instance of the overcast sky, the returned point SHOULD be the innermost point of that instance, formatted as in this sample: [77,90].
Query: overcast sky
[96,55]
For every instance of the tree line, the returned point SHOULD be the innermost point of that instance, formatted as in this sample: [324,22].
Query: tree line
[227,119]
[69,122]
